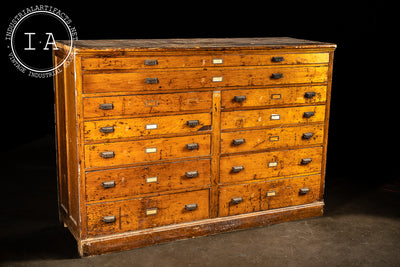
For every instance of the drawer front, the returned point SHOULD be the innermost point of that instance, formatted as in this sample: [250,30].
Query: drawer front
[136,127]
[124,182]
[269,165]
[271,117]
[145,104]
[198,61]
[273,96]
[253,140]
[238,199]
[148,212]
[196,78]
[120,153]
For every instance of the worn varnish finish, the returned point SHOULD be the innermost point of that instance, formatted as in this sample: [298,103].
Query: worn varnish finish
[165,139]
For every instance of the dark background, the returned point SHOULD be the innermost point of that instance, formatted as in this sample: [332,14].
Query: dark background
[363,140]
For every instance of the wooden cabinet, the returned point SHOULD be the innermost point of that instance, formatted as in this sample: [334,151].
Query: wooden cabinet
[160,140]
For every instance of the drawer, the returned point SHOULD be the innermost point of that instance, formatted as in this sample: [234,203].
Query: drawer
[148,126]
[201,78]
[94,107]
[124,182]
[148,212]
[269,165]
[199,61]
[120,153]
[271,117]
[252,140]
[245,198]
[273,96]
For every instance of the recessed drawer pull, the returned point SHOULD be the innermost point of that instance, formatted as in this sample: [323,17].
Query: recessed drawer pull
[109,129]
[307,136]
[107,106]
[304,191]
[309,94]
[151,80]
[237,168]
[277,75]
[191,207]
[108,184]
[150,62]
[192,123]
[239,98]
[107,154]
[192,146]
[191,174]
[306,161]
[308,114]
[277,59]
[237,142]
[109,219]
[236,200]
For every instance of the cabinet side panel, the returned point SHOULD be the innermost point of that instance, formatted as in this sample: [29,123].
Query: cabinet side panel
[72,157]
[60,117]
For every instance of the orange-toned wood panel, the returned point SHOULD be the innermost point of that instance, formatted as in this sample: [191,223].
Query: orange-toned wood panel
[201,78]
[157,61]
[124,182]
[273,96]
[272,117]
[148,126]
[148,212]
[146,104]
[269,165]
[121,153]
[282,137]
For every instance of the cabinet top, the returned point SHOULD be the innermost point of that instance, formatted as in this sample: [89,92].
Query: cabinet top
[218,44]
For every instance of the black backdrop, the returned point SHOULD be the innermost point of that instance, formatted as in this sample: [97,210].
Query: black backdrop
[364,113]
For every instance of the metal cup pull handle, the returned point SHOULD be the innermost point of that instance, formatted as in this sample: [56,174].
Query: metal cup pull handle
[151,80]
[237,142]
[107,154]
[192,123]
[309,94]
[307,136]
[191,174]
[191,207]
[109,129]
[277,75]
[306,161]
[236,200]
[237,168]
[239,98]
[304,191]
[107,106]
[308,114]
[277,59]
[109,219]
[192,146]
[108,184]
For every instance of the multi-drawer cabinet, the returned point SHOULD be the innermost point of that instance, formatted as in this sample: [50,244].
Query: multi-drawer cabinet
[167,139]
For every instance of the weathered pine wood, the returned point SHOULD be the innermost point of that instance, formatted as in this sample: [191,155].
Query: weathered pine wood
[160,140]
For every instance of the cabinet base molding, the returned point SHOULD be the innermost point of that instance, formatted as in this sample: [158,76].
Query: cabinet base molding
[148,237]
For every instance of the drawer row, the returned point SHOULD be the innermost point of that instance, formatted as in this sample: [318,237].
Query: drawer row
[150,212]
[148,62]
[127,182]
[153,150]
[200,122]
[133,105]
[183,79]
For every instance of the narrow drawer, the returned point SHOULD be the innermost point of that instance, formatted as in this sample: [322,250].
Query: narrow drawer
[273,96]
[271,117]
[148,126]
[202,78]
[124,182]
[238,199]
[269,165]
[97,107]
[121,153]
[253,140]
[198,61]
[148,212]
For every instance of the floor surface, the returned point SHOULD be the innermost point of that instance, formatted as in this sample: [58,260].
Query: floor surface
[361,227]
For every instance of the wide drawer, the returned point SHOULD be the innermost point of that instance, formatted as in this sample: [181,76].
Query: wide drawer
[245,198]
[124,182]
[269,165]
[121,153]
[252,140]
[148,126]
[271,117]
[108,106]
[201,78]
[148,212]
[273,96]
[197,61]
